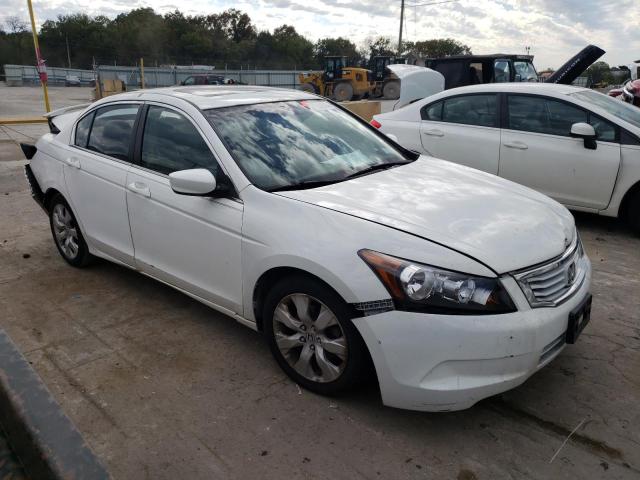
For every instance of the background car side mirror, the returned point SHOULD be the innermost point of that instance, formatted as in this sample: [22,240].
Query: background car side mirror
[197,181]
[586,132]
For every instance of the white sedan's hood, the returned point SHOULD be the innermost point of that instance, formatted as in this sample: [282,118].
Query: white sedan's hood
[503,225]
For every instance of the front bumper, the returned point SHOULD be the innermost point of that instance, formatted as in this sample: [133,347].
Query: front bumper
[449,362]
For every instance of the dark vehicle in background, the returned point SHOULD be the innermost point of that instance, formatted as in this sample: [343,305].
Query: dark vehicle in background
[207,79]
[462,70]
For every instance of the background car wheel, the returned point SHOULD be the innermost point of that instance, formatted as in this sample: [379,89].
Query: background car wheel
[343,91]
[66,233]
[311,335]
[307,87]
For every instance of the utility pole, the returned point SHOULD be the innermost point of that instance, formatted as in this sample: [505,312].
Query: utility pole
[42,68]
[66,39]
[401,24]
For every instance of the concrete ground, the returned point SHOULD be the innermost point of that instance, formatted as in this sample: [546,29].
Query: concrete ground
[163,387]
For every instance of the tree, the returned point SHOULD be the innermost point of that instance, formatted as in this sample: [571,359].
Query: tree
[336,46]
[374,47]
[439,47]
[599,72]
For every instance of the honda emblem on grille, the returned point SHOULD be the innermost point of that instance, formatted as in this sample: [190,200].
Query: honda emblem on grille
[571,273]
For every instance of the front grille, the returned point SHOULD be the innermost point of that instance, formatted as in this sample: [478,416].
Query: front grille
[554,282]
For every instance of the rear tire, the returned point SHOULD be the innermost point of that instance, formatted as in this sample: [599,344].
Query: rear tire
[342,92]
[633,213]
[391,90]
[311,335]
[66,233]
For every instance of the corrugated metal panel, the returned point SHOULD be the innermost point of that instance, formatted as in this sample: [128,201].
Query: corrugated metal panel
[154,77]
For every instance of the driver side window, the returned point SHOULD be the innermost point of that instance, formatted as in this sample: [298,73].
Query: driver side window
[170,142]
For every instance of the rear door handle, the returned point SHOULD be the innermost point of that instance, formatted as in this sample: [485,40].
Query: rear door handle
[73,162]
[434,133]
[516,145]
[139,188]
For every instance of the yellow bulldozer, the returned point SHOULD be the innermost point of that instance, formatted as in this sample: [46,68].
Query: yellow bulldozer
[338,81]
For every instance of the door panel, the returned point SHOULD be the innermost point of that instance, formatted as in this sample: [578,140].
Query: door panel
[561,167]
[96,187]
[470,145]
[538,151]
[95,174]
[190,242]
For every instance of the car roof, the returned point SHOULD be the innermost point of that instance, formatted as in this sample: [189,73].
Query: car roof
[218,96]
[539,88]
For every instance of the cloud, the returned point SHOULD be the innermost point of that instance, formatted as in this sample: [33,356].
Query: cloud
[554,29]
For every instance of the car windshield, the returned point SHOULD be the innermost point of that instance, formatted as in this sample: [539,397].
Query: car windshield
[288,144]
[525,72]
[622,110]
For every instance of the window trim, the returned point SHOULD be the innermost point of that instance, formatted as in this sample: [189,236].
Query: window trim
[92,114]
[472,94]
[92,111]
[589,113]
[139,135]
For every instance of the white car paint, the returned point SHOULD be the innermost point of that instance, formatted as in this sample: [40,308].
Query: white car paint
[416,83]
[597,181]
[432,212]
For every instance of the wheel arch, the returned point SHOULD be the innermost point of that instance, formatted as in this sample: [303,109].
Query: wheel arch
[49,195]
[271,277]
[626,200]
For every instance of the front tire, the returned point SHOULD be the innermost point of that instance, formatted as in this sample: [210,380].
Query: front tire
[311,335]
[66,233]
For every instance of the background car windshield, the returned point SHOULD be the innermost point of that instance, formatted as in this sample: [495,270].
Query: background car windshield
[626,112]
[525,72]
[286,143]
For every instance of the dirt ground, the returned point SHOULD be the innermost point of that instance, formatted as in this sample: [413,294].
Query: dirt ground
[163,387]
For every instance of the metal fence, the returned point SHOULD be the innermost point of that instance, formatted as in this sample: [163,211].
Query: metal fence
[17,75]
[153,76]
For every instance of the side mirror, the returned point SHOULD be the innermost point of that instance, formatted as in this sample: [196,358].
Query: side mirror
[197,181]
[392,137]
[586,132]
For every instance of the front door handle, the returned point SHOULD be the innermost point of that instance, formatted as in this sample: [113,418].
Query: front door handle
[139,188]
[73,162]
[434,133]
[516,145]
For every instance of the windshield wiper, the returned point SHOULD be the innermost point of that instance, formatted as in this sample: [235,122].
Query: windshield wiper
[305,185]
[375,168]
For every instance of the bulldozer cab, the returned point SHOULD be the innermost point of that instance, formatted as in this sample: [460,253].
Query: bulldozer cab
[333,68]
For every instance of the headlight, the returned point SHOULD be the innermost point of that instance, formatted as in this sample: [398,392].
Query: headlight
[417,287]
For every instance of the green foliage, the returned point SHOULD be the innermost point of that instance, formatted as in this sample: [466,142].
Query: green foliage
[440,47]
[336,47]
[600,72]
[227,38]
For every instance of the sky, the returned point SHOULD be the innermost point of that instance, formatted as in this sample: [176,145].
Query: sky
[553,29]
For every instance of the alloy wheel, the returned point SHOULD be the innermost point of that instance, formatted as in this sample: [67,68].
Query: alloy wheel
[310,338]
[65,230]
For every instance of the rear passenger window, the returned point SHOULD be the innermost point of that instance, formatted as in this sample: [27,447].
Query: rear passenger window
[82,130]
[543,115]
[171,143]
[432,112]
[471,110]
[112,130]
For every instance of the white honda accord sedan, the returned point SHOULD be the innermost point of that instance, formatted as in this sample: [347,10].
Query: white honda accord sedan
[578,146]
[298,219]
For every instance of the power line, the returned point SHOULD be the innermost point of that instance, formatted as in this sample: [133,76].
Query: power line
[431,3]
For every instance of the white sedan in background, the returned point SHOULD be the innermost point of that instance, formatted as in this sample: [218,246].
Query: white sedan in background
[578,146]
[300,220]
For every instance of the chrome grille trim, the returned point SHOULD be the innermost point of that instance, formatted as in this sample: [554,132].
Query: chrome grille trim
[554,282]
